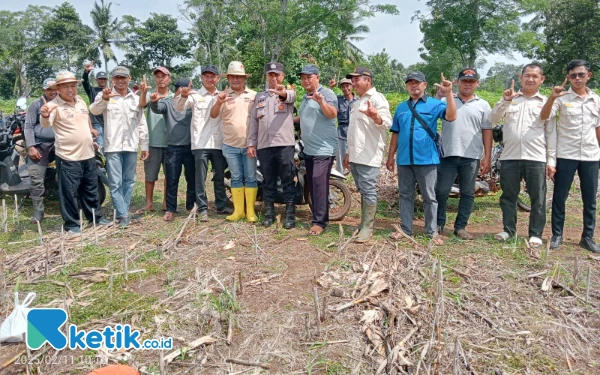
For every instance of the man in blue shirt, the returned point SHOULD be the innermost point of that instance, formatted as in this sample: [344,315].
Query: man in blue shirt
[417,151]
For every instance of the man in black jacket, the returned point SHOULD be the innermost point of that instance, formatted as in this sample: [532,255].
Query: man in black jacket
[40,147]
[102,80]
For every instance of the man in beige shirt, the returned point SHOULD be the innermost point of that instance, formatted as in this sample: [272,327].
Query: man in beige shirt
[233,106]
[529,153]
[67,114]
[125,129]
[578,140]
[207,140]
[370,119]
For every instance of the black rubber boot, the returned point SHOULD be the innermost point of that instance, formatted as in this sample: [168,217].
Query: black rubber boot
[290,216]
[269,214]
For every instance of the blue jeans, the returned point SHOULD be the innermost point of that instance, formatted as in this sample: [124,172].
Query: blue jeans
[100,139]
[448,169]
[121,179]
[241,167]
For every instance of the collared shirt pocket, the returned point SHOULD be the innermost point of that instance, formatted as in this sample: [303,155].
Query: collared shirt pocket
[512,113]
[590,111]
[260,113]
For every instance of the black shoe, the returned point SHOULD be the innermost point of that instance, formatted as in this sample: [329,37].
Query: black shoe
[589,244]
[269,214]
[290,216]
[556,241]
[225,211]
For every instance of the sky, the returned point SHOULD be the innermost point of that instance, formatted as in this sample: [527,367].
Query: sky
[397,34]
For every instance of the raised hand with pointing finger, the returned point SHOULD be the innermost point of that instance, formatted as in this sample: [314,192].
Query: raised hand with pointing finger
[445,86]
[155,96]
[509,94]
[222,96]
[89,66]
[558,91]
[108,93]
[144,88]
[279,90]
[370,111]
[187,90]
[47,108]
[316,96]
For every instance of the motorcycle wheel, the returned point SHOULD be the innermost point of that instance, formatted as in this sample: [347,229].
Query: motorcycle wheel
[101,192]
[523,202]
[340,200]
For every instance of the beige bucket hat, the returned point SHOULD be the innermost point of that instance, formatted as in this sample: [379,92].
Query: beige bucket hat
[236,68]
[65,77]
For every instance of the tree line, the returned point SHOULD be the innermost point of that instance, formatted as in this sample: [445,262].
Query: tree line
[40,40]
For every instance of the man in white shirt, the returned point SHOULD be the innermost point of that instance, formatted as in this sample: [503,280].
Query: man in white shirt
[370,119]
[578,140]
[529,153]
[125,129]
[207,140]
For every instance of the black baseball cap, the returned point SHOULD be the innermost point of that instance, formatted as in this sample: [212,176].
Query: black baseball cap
[274,67]
[360,71]
[310,69]
[101,75]
[417,76]
[210,69]
[182,82]
[468,73]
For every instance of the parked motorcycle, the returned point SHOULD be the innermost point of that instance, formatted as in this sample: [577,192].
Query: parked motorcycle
[340,198]
[490,182]
[14,176]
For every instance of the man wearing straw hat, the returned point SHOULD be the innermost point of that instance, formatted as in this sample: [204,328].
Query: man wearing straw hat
[125,129]
[68,115]
[233,106]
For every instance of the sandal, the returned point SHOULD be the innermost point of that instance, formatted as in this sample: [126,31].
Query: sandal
[437,240]
[316,230]
[535,242]
[464,235]
[502,236]
[143,210]
[396,236]
[169,216]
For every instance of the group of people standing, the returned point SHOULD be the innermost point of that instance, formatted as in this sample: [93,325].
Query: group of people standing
[236,127]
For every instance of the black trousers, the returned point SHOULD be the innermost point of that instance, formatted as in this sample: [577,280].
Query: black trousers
[588,183]
[512,172]
[219,164]
[177,158]
[77,179]
[277,162]
[318,169]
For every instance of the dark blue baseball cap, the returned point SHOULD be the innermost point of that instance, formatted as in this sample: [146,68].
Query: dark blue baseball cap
[101,75]
[417,76]
[210,69]
[310,69]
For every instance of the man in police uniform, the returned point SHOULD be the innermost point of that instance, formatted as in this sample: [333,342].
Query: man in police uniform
[272,133]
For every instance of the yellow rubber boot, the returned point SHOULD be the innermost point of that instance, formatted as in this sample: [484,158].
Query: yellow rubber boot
[237,194]
[250,200]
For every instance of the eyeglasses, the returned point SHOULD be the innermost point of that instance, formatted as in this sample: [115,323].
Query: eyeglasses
[579,74]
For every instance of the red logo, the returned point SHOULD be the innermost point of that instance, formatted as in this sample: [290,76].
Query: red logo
[469,73]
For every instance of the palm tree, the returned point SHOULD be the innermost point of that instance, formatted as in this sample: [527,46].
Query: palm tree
[105,32]
[351,35]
